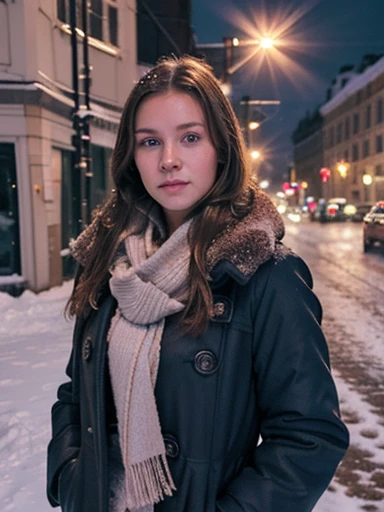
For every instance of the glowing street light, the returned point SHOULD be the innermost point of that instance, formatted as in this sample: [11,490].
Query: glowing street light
[367,179]
[255,155]
[264,184]
[342,167]
[267,42]
[253,125]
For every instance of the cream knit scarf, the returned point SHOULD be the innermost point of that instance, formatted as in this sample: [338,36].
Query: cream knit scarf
[151,288]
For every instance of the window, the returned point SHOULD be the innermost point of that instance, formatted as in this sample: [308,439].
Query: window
[96,19]
[379,143]
[102,18]
[368,116]
[62,11]
[379,111]
[347,128]
[356,122]
[339,133]
[64,15]
[379,170]
[365,148]
[9,212]
[112,25]
[346,155]
[355,153]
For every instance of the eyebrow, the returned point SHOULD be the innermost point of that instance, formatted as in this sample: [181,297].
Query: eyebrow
[179,127]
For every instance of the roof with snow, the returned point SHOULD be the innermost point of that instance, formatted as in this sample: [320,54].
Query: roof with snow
[354,85]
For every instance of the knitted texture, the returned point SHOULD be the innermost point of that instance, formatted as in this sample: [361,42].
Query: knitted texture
[148,290]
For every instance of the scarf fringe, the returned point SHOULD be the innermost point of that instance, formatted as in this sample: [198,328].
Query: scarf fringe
[148,482]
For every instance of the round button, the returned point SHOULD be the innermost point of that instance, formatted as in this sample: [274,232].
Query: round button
[205,362]
[87,348]
[171,447]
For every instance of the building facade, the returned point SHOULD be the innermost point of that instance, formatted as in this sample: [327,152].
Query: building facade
[353,137]
[308,153]
[40,196]
[42,185]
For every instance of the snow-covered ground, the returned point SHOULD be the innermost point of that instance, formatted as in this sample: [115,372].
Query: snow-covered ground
[35,343]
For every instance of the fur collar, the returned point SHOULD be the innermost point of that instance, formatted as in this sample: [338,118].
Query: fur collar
[249,242]
[240,248]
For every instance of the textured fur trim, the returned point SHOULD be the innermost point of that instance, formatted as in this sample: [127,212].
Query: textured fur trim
[251,241]
[247,243]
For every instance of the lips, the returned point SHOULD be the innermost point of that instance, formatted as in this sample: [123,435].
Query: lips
[173,185]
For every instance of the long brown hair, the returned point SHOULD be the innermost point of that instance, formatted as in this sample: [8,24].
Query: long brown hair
[227,196]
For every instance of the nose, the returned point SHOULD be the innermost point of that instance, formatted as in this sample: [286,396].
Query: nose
[170,159]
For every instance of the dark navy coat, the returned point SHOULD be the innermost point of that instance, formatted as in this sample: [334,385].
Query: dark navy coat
[249,410]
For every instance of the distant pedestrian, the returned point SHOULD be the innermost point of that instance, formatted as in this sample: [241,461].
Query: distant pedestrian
[199,373]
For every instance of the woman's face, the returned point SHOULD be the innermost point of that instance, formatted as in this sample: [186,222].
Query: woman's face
[174,154]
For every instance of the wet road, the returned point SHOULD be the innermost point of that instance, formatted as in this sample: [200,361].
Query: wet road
[350,285]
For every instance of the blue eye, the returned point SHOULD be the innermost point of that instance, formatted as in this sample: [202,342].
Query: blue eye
[150,142]
[191,137]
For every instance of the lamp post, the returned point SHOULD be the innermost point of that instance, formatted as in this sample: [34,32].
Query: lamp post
[367,180]
[228,44]
[249,120]
[81,112]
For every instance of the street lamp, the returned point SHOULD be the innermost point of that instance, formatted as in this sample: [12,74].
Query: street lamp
[367,180]
[267,42]
[228,43]
[255,155]
[342,167]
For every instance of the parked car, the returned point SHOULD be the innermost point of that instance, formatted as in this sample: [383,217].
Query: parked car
[374,226]
[361,211]
[332,210]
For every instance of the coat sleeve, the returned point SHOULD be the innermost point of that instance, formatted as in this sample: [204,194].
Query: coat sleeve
[65,443]
[302,436]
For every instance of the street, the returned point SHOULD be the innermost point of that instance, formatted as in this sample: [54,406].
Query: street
[35,341]
[350,285]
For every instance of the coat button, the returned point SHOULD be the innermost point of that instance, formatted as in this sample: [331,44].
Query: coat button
[205,362]
[171,447]
[218,309]
[87,348]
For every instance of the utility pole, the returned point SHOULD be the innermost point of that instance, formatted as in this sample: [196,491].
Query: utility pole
[81,140]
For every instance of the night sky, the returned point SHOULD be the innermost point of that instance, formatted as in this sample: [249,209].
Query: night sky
[323,36]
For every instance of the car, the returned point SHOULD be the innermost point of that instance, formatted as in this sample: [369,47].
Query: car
[374,226]
[332,210]
[361,211]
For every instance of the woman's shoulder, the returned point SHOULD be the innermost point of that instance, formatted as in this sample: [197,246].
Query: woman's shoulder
[285,265]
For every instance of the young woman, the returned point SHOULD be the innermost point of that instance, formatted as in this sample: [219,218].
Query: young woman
[199,373]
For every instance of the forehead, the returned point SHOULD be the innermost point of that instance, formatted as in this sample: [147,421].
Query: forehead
[170,105]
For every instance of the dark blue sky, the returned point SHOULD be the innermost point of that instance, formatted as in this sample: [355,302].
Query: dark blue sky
[329,34]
